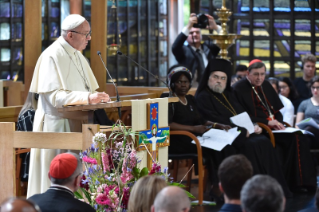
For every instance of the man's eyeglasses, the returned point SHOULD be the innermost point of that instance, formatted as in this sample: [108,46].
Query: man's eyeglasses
[86,35]
[313,88]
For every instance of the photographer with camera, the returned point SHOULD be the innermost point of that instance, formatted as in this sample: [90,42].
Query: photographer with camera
[195,55]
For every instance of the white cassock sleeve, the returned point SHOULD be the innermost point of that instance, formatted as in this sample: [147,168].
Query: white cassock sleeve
[62,97]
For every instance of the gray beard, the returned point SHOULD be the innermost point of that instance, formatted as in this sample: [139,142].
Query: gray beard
[216,89]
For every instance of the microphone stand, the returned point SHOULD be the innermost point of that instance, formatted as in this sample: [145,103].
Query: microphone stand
[156,77]
[117,93]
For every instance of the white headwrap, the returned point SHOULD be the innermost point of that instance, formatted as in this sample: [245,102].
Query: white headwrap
[72,21]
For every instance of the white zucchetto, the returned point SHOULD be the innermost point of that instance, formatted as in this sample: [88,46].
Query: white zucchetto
[72,21]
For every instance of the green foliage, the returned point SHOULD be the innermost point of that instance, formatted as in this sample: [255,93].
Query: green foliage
[137,173]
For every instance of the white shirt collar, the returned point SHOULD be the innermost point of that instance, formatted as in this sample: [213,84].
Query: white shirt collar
[61,186]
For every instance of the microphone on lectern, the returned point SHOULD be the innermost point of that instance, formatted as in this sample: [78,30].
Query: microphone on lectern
[156,77]
[117,93]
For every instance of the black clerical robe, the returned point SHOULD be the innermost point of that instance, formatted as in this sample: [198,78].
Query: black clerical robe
[293,149]
[258,149]
[189,115]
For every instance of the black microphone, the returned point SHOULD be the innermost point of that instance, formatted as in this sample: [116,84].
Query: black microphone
[156,77]
[117,93]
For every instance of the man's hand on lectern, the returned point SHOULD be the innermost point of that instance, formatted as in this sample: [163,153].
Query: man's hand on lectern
[99,97]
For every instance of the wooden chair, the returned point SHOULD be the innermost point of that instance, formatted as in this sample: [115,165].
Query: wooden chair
[19,190]
[270,133]
[200,163]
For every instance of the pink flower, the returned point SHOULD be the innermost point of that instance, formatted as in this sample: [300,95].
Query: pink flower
[102,199]
[105,161]
[156,167]
[126,195]
[89,160]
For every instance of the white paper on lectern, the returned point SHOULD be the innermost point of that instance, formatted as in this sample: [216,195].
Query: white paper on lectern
[307,122]
[243,120]
[218,139]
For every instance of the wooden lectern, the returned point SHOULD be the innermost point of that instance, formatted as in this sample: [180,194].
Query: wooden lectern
[11,139]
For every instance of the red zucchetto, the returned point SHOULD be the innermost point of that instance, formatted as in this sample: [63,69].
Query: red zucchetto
[255,61]
[63,166]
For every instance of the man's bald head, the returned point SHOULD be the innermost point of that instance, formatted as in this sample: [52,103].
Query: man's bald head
[18,205]
[171,199]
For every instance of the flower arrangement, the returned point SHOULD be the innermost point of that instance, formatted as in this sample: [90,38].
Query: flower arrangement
[112,168]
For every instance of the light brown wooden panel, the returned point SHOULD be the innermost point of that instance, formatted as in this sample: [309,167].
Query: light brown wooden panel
[9,114]
[98,42]
[45,140]
[32,39]
[76,7]
[12,93]
[7,161]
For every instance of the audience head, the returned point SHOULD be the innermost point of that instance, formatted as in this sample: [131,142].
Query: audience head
[308,66]
[19,204]
[262,193]
[275,83]
[314,85]
[241,71]
[144,192]
[76,31]
[179,79]
[217,76]
[233,172]
[171,199]
[287,88]
[66,170]
[256,72]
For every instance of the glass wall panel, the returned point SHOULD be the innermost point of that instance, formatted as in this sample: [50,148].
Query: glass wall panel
[282,69]
[281,48]
[302,47]
[261,48]
[242,27]
[302,28]
[5,9]
[282,28]
[5,54]
[242,48]
[261,27]
[4,31]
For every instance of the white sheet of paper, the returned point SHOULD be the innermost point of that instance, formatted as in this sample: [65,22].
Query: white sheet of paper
[287,130]
[307,122]
[243,120]
[218,139]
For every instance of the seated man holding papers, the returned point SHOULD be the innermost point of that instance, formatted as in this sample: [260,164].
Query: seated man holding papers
[215,102]
[183,115]
[261,102]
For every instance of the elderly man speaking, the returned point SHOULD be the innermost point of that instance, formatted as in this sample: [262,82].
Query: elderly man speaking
[62,76]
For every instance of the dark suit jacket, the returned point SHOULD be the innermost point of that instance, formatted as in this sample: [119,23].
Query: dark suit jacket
[61,200]
[185,55]
[230,208]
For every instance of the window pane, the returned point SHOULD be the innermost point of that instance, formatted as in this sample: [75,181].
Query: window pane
[242,27]
[282,69]
[5,9]
[302,28]
[17,10]
[17,31]
[261,3]
[4,31]
[302,48]
[44,8]
[55,30]
[5,75]
[87,8]
[163,7]
[242,48]
[282,28]
[55,8]
[261,48]
[261,27]
[18,56]
[5,54]
[281,48]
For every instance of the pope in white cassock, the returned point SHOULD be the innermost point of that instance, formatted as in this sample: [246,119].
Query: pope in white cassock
[62,76]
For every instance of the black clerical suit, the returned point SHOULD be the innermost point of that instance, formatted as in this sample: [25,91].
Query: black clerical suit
[57,199]
[293,149]
[257,148]
[187,57]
